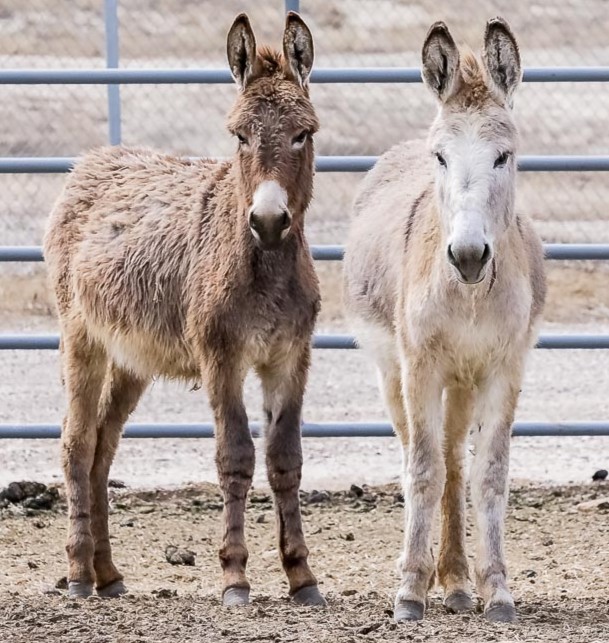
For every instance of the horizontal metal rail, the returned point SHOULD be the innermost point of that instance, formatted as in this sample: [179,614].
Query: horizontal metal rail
[309,430]
[558,163]
[558,251]
[223,76]
[581,342]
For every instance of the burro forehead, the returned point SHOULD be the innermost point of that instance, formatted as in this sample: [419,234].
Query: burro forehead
[273,103]
[490,123]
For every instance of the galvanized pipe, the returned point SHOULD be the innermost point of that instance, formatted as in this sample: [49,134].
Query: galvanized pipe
[559,251]
[292,5]
[309,430]
[112,58]
[558,163]
[223,76]
[579,342]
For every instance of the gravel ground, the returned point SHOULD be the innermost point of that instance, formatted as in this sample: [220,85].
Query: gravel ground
[560,583]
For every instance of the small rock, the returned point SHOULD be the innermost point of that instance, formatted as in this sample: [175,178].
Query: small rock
[147,510]
[260,499]
[116,484]
[355,491]
[601,474]
[178,556]
[261,519]
[366,629]
[164,593]
[600,504]
[548,542]
[349,537]
[62,583]
[51,591]
[349,592]
[31,564]
[398,498]
[19,491]
[128,523]
[43,501]
[530,573]
[316,497]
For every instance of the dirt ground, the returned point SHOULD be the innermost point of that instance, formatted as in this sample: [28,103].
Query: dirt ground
[558,559]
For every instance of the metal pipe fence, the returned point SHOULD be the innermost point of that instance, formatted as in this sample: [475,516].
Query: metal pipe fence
[222,76]
[309,430]
[555,251]
[537,163]
[113,77]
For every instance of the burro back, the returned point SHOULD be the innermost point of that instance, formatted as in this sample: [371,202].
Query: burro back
[200,271]
[445,285]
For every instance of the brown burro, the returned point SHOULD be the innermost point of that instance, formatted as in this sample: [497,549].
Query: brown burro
[446,284]
[197,271]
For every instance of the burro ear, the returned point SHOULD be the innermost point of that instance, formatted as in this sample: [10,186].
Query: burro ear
[241,50]
[440,61]
[502,57]
[298,48]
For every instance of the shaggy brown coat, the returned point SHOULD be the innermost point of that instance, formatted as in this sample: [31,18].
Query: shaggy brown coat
[157,272]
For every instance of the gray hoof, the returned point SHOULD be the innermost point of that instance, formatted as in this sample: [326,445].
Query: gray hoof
[113,590]
[77,589]
[236,596]
[500,613]
[458,601]
[408,611]
[309,596]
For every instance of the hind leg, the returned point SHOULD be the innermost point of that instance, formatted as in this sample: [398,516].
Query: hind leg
[84,366]
[453,570]
[283,383]
[122,391]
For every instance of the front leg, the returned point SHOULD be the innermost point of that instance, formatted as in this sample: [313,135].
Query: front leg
[283,383]
[423,486]
[489,487]
[235,459]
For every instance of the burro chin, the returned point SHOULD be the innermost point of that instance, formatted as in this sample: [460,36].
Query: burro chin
[445,284]
[199,271]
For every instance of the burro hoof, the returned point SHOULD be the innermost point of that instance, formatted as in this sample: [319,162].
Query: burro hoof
[113,590]
[78,589]
[500,613]
[408,611]
[236,596]
[458,601]
[309,596]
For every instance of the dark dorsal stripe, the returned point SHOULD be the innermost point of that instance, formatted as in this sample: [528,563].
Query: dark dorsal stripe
[413,210]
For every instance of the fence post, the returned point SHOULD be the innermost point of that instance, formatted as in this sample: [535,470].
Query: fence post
[292,5]
[112,54]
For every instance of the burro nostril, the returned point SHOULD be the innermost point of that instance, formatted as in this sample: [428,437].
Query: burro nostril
[451,256]
[486,254]
[285,220]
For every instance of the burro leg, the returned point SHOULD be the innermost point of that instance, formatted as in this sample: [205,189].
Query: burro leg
[489,487]
[453,571]
[84,367]
[235,460]
[283,383]
[121,393]
[423,486]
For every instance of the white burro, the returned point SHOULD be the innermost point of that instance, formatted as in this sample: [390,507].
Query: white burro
[445,285]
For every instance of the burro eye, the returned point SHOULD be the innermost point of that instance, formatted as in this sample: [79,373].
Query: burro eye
[299,140]
[243,140]
[501,160]
[441,159]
